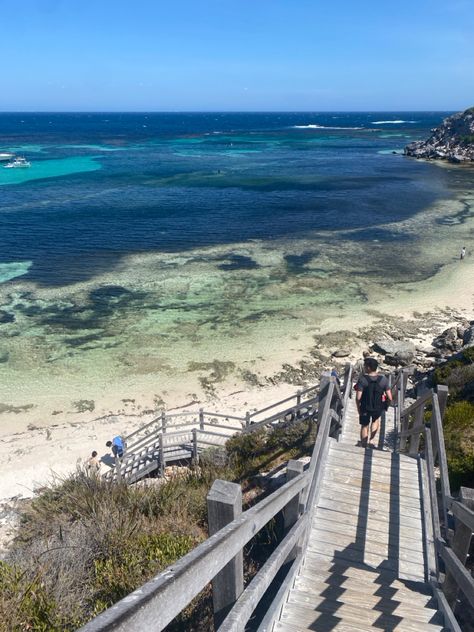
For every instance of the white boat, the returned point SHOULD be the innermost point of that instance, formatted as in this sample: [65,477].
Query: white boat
[17,163]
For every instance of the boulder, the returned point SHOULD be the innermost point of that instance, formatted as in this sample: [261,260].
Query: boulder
[400,358]
[468,337]
[392,347]
[341,353]
[448,340]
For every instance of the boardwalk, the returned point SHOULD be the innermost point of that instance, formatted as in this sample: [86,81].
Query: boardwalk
[364,566]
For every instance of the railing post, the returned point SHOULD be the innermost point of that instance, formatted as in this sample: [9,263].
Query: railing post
[224,504]
[323,392]
[195,445]
[201,418]
[163,421]
[162,456]
[442,392]
[442,461]
[415,437]
[118,469]
[247,419]
[460,545]
[298,397]
[291,512]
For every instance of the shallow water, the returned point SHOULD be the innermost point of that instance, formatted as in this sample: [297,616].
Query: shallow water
[205,238]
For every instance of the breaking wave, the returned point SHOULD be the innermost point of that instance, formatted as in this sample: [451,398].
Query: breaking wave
[391,122]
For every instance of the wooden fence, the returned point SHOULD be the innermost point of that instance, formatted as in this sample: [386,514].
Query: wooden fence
[449,523]
[219,558]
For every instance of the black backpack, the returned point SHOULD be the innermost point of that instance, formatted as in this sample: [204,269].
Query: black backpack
[372,395]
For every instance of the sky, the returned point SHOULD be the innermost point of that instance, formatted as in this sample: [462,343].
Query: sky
[236,55]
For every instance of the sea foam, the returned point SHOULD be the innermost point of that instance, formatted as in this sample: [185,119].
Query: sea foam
[314,126]
[391,122]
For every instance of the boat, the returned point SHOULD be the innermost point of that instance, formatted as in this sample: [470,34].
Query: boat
[17,163]
[6,155]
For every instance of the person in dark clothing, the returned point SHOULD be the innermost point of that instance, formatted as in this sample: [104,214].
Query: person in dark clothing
[373,396]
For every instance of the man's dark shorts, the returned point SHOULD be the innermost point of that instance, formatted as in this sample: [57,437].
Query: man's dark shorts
[366,418]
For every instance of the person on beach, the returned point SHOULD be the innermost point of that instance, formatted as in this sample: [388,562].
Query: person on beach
[463,252]
[373,396]
[117,446]
[92,465]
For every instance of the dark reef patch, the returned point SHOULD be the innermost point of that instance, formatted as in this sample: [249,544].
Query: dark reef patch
[296,264]
[237,262]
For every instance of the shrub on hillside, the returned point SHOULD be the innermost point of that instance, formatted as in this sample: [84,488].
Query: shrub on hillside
[459,439]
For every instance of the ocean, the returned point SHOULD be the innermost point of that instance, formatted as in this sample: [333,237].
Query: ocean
[143,250]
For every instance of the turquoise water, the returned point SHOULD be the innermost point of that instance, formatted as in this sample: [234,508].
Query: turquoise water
[48,169]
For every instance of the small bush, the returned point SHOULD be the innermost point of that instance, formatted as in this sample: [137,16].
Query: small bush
[459,439]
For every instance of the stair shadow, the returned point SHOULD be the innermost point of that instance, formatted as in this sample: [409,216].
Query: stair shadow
[354,556]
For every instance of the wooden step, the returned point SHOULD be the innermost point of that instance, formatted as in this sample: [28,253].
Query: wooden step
[323,566]
[380,539]
[372,522]
[329,602]
[334,624]
[349,556]
[375,507]
[314,582]
[310,616]
[338,542]
[364,496]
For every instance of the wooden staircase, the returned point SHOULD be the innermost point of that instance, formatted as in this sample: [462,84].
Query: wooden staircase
[365,564]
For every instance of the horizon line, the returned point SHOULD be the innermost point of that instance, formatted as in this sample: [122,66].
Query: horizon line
[220,111]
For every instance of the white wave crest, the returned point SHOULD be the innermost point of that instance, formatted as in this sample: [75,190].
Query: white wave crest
[391,122]
[314,126]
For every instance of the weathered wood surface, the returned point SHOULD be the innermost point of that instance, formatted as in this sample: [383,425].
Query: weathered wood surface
[364,566]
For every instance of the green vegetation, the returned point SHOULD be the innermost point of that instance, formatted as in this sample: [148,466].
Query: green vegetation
[85,543]
[458,375]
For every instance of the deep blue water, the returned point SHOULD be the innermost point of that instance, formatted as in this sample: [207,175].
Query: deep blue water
[172,182]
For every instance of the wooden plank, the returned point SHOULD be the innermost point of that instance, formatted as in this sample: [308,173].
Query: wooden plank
[374,523]
[378,473]
[340,542]
[404,568]
[324,565]
[351,614]
[463,514]
[449,619]
[379,507]
[377,456]
[375,483]
[425,613]
[357,591]
[335,624]
[407,540]
[372,494]
[442,460]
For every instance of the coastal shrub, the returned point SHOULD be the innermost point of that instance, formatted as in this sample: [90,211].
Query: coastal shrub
[458,429]
[129,564]
[26,605]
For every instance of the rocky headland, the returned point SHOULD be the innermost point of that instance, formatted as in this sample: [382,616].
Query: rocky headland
[453,140]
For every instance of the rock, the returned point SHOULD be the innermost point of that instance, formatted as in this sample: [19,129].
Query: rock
[6,317]
[448,340]
[392,347]
[453,140]
[468,337]
[341,353]
[400,358]
[4,355]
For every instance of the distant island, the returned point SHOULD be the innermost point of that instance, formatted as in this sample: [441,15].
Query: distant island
[453,140]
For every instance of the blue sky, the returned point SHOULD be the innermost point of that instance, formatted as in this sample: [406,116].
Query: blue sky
[192,55]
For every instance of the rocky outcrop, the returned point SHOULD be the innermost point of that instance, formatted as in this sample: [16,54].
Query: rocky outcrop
[453,140]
